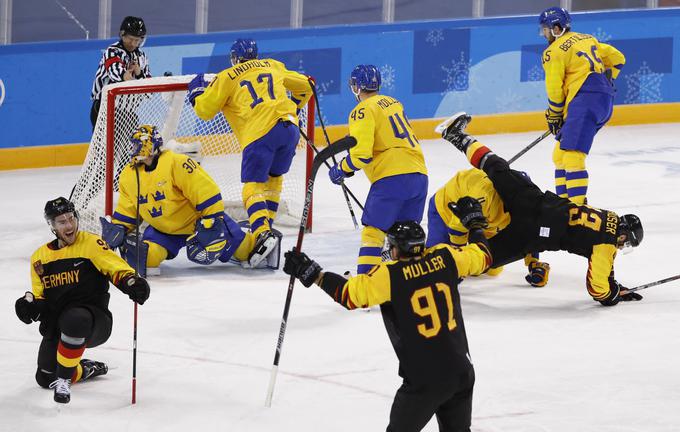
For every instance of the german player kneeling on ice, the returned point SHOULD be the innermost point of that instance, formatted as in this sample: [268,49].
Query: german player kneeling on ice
[541,221]
[183,206]
[70,282]
[420,303]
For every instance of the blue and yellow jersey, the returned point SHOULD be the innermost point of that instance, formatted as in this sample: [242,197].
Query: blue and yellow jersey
[172,196]
[253,96]
[386,145]
[376,287]
[570,59]
[476,184]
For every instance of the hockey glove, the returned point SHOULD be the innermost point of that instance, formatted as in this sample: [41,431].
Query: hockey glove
[621,294]
[298,264]
[469,211]
[196,88]
[136,288]
[113,234]
[27,308]
[337,174]
[538,274]
[555,121]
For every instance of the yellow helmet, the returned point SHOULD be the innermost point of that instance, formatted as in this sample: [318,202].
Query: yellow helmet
[146,141]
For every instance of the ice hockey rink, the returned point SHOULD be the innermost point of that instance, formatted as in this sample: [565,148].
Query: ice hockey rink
[546,359]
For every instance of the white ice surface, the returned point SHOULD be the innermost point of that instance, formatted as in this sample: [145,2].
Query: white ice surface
[547,359]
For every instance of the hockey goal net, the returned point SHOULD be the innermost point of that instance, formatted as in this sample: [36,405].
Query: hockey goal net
[163,102]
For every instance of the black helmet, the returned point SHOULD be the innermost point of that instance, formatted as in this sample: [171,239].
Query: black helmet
[408,237]
[631,226]
[57,207]
[133,26]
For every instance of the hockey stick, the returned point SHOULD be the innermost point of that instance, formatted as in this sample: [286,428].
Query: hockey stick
[312,84]
[651,284]
[529,147]
[341,145]
[325,162]
[134,321]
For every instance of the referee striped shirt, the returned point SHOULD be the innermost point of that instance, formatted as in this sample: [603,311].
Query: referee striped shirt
[113,64]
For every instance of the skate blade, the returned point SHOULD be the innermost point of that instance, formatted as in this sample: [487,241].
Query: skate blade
[441,127]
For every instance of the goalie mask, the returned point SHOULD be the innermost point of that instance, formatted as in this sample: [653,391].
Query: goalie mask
[62,217]
[408,237]
[146,141]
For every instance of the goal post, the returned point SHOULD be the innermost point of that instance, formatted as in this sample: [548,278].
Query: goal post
[163,102]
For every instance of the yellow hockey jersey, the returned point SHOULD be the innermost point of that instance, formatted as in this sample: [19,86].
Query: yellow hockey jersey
[173,194]
[569,60]
[253,97]
[473,183]
[375,287]
[386,145]
[77,271]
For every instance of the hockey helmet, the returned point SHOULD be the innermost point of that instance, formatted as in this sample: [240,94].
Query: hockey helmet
[408,237]
[146,141]
[58,207]
[631,226]
[133,26]
[243,50]
[555,16]
[365,77]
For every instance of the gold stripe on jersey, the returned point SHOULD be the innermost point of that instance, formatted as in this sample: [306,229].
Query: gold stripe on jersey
[375,287]
[476,184]
[386,144]
[253,97]
[600,266]
[569,60]
[172,196]
[83,262]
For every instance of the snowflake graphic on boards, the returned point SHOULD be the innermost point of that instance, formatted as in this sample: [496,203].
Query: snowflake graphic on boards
[434,37]
[458,75]
[644,85]
[388,77]
[535,73]
[509,101]
[602,35]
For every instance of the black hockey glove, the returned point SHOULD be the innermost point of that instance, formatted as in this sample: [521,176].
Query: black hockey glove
[27,308]
[469,211]
[298,264]
[621,294]
[136,288]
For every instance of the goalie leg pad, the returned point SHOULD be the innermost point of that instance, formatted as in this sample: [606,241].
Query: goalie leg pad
[235,237]
[134,254]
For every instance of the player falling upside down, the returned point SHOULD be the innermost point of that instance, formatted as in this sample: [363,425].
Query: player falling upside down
[252,95]
[579,76]
[541,221]
[182,205]
[70,297]
[419,300]
[444,226]
[390,155]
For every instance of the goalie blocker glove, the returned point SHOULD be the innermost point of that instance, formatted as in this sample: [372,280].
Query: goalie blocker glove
[136,288]
[113,234]
[298,264]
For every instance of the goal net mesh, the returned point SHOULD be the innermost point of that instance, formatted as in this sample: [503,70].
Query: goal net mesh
[163,102]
